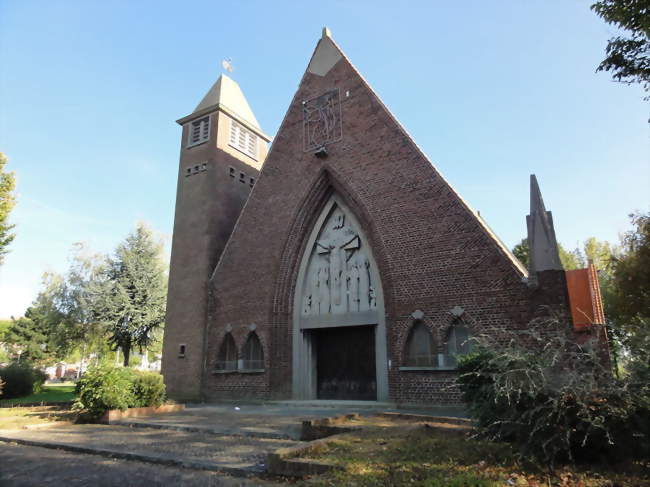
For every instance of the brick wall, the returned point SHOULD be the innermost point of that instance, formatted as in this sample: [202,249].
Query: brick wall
[208,203]
[431,250]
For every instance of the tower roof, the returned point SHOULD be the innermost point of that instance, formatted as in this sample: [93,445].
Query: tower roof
[227,96]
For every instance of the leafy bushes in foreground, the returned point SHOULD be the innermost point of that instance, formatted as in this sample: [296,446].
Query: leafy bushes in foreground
[555,402]
[148,389]
[20,379]
[107,387]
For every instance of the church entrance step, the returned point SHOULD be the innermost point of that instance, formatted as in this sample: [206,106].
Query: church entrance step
[344,405]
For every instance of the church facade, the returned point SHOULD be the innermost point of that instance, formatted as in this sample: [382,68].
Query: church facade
[340,266]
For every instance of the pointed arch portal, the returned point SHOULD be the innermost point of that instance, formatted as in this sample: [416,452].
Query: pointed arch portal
[339,328]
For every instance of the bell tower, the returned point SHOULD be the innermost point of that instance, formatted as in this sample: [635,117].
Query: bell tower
[222,151]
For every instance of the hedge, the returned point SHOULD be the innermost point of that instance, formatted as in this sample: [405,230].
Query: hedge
[20,379]
[107,387]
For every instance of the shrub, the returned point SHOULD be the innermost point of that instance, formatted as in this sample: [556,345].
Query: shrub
[148,389]
[107,387]
[554,401]
[39,379]
[1,385]
[103,388]
[21,379]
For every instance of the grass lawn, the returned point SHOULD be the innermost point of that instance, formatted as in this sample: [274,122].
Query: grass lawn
[412,454]
[14,418]
[62,392]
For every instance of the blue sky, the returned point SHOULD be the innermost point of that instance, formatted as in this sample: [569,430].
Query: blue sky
[491,90]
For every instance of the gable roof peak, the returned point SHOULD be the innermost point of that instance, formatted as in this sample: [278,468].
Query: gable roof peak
[325,56]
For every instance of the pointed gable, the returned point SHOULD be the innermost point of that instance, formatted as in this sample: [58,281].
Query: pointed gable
[330,68]
[433,252]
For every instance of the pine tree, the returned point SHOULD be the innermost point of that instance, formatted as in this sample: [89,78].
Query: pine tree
[26,339]
[130,297]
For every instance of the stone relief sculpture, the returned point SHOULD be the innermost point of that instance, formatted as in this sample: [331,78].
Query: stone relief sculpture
[322,120]
[338,278]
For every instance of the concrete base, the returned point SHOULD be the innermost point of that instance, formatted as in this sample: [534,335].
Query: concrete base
[113,415]
[321,403]
[284,461]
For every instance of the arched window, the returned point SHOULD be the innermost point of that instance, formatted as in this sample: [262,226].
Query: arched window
[227,358]
[420,347]
[458,343]
[253,355]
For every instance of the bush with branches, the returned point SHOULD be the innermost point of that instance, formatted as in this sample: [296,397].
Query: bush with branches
[20,379]
[148,389]
[107,387]
[554,399]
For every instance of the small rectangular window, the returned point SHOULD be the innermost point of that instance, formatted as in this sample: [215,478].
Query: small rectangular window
[231,171]
[242,177]
[181,350]
[188,171]
[251,182]
[243,139]
[199,131]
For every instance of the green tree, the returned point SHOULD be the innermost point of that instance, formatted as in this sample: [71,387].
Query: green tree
[600,253]
[570,259]
[7,202]
[60,311]
[130,297]
[83,329]
[4,326]
[49,316]
[26,339]
[629,299]
[522,252]
[628,54]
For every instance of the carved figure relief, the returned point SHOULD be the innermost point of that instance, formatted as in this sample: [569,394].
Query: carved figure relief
[338,278]
[322,120]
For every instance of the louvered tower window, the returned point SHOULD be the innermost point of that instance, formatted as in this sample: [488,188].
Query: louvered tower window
[199,131]
[243,139]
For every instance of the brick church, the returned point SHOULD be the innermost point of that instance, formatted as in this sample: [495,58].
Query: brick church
[340,265]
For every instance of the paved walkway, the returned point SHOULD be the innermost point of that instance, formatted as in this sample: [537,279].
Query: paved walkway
[232,439]
[27,466]
[280,420]
[233,454]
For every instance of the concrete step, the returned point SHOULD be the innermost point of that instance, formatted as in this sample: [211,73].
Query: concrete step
[321,403]
[134,423]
